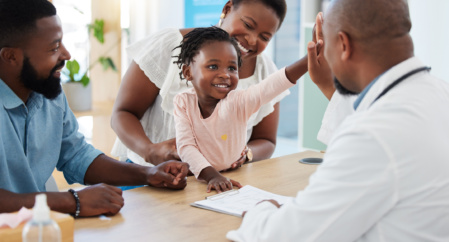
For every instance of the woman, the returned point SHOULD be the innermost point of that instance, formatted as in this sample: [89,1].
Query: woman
[143,112]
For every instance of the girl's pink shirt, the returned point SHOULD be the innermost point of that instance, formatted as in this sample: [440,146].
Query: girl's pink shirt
[220,139]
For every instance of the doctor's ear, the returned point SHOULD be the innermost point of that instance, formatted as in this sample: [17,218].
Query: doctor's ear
[345,45]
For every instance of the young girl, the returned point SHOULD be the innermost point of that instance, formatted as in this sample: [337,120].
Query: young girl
[210,119]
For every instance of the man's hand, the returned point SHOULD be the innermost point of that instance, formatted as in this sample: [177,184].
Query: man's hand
[100,199]
[161,152]
[170,174]
[318,67]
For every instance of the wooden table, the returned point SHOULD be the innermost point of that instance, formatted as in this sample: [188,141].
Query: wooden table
[155,214]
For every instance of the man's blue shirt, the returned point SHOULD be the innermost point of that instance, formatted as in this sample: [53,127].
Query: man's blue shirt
[37,137]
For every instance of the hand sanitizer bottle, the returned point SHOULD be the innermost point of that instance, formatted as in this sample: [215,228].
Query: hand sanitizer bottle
[41,227]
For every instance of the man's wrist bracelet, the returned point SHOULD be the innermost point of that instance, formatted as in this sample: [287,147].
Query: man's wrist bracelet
[77,201]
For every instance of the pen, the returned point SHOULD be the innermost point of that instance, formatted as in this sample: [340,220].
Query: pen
[223,194]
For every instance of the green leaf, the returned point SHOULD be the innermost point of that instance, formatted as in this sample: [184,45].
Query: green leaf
[98,28]
[73,68]
[85,80]
[111,64]
[107,63]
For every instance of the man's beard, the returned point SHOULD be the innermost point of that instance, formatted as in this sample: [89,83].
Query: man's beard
[49,87]
[342,90]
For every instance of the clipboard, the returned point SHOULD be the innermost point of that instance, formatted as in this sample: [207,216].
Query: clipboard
[235,202]
[223,194]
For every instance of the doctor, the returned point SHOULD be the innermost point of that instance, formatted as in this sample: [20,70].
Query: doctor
[385,174]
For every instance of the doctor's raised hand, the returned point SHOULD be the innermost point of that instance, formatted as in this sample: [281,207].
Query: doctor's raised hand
[319,69]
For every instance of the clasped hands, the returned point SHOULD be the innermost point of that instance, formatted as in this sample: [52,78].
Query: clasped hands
[106,199]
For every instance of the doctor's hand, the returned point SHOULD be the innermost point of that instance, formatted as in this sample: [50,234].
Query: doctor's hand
[170,174]
[161,152]
[318,67]
[274,202]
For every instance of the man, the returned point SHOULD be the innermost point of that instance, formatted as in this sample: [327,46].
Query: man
[385,174]
[38,130]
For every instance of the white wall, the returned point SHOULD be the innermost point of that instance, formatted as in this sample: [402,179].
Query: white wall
[430,23]
[145,17]
[430,33]
[148,17]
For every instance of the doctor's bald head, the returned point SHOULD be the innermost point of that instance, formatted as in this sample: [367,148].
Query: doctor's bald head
[356,31]
[371,20]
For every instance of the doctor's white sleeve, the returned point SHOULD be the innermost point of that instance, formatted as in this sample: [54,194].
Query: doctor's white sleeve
[337,110]
[343,200]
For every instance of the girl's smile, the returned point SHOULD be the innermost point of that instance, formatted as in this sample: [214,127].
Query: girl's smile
[213,72]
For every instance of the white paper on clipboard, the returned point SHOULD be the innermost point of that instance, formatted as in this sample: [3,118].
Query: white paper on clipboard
[235,202]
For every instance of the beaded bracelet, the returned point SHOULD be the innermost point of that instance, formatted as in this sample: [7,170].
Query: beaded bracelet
[77,201]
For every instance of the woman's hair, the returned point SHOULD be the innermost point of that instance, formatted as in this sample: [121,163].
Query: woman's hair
[279,6]
[197,38]
[18,19]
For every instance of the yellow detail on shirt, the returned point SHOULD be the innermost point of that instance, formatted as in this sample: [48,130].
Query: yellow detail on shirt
[224,137]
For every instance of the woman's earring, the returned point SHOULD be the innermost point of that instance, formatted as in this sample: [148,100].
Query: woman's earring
[220,22]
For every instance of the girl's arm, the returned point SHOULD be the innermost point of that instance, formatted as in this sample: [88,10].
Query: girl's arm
[263,138]
[186,142]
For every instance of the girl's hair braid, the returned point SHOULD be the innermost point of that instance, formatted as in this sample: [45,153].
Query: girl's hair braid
[195,39]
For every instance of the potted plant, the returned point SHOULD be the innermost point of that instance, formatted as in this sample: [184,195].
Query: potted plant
[77,87]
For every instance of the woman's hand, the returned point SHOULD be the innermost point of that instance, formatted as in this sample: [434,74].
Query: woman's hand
[161,152]
[239,162]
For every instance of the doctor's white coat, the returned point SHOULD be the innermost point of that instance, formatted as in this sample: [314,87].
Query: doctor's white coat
[385,175]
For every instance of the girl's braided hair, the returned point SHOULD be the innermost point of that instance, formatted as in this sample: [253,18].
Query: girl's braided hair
[195,39]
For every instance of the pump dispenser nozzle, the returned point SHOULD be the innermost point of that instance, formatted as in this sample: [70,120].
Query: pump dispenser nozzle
[41,211]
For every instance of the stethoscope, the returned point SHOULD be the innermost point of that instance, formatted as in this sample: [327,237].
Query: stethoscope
[399,80]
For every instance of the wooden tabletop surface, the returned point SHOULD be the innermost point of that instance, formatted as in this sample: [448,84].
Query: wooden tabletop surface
[155,214]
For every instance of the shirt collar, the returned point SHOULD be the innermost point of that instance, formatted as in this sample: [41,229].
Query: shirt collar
[10,100]
[365,91]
